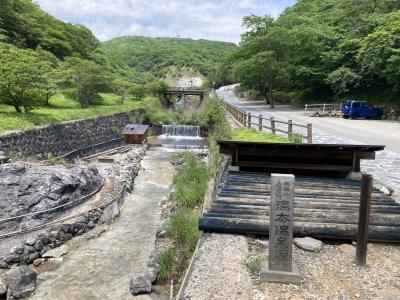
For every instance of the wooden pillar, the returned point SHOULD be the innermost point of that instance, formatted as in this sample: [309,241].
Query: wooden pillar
[309,133]
[273,129]
[249,120]
[363,220]
[290,130]
[260,122]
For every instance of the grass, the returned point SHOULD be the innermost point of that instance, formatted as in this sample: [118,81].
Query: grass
[190,184]
[254,264]
[191,181]
[183,228]
[252,135]
[168,263]
[61,109]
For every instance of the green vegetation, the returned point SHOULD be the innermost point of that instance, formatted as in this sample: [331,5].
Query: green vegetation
[321,50]
[147,58]
[190,187]
[168,263]
[191,182]
[63,108]
[252,135]
[254,264]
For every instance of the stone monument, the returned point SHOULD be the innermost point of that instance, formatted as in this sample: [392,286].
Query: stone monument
[280,266]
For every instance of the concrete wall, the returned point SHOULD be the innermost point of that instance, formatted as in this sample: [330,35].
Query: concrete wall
[64,137]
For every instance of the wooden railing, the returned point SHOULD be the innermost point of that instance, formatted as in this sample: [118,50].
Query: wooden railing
[246,120]
[324,107]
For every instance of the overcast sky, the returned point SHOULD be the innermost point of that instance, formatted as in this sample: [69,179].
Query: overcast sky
[207,19]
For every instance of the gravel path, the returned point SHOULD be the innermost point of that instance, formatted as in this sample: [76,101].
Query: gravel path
[386,166]
[219,270]
[332,274]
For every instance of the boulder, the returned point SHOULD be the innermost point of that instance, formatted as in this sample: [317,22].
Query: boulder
[21,282]
[27,188]
[140,283]
[308,244]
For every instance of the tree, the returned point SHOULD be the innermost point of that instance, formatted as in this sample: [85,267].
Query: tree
[342,79]
[88,79]
[23,78]
[138,91]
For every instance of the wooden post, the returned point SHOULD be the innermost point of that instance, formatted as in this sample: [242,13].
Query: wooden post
[290,130]
[323,108]
[273,125]
[249,120]
[306,107]
[309,133]
[260,122]
[363,220]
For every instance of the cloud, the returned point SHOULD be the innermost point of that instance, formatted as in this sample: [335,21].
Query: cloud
[208,19]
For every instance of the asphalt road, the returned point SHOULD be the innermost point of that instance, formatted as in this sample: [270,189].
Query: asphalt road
[386,167]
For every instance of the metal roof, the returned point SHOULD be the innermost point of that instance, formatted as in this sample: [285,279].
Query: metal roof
[135,129]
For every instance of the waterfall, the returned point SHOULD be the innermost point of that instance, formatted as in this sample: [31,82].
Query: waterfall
[181,130]
[181,137]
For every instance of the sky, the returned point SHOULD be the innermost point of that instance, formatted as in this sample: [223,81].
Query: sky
[207,19]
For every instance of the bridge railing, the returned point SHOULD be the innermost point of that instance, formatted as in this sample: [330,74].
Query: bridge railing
[289,128]
[186,89]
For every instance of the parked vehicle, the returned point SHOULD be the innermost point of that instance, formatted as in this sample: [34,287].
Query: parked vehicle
[360,109]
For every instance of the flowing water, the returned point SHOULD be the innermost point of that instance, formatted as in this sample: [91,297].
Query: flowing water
[103,267]
[184,137]
[181,130]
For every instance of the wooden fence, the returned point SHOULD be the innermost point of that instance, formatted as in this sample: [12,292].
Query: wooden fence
[324,107]
[246,119]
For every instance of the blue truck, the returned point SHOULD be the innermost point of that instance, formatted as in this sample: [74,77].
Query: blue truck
[360,109]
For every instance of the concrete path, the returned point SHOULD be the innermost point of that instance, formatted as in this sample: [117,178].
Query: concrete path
[103,267]
[386,167]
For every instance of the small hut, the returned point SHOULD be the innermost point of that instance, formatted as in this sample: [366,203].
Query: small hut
[135,134]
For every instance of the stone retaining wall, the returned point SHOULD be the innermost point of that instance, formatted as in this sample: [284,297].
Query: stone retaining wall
[64,137]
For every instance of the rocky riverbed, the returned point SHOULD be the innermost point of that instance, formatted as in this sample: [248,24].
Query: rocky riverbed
[29,188]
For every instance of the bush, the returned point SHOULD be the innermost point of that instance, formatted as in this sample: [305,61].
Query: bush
[183,228]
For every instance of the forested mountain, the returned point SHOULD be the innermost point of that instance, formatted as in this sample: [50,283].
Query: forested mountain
[25,25]
[322,49]
[155,55]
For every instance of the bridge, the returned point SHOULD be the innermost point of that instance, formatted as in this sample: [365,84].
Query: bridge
[185,91]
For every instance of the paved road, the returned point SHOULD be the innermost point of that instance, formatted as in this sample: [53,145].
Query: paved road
[386,167]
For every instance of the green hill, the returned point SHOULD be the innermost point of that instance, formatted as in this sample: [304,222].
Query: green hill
[155,56]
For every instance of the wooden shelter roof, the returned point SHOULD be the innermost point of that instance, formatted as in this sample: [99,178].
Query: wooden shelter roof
[135,129]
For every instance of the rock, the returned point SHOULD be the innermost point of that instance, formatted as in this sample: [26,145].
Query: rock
[13,258]
[140,283]
[308,244]
[17,250]
[21,282]
[38,262]
[38,245]
[91,224]
[30,242]
[152,274]
[3,264]
[27,188]
[56,252]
